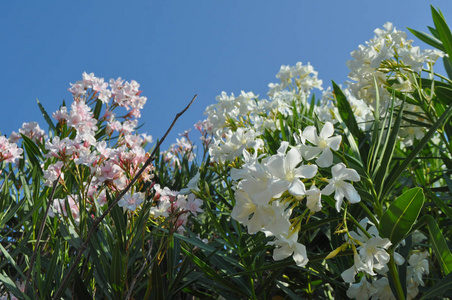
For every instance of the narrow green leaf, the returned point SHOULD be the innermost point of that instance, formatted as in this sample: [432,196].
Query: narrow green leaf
[448,66]
[346,112]
[442,90]
[395,174]
[80,289]
[398,219]
[46,116]
[97,109]
[11,211]
[11,286]
[442,251]
[443,31]
[13,263]
[288,292]
[351,140]
[433,31]
[213,274]
[428,39]
[443,206]
[50,273]
[283,128]
[312,105]
[439,288]
[383,164]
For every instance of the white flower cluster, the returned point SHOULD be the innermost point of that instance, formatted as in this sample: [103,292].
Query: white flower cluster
[371,257]
[389,60]
[269,187]
[237,122]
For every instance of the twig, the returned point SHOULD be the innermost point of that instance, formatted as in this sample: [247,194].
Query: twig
[97,221]
[41,230]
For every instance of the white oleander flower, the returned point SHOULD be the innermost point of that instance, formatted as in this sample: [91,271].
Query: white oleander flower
[323,142]
[340,187]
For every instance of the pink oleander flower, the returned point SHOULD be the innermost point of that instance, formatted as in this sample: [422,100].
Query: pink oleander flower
[59,206]
[131,202]
[193,205]
[9,152]
[33,131]
[53,172]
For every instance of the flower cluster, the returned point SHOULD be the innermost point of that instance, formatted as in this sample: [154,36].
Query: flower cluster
[269,187]
[104,152]
[9,152]
[371,257]
[237,122]
[389,61]
[176,204]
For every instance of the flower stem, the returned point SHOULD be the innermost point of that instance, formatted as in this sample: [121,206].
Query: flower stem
[395,277]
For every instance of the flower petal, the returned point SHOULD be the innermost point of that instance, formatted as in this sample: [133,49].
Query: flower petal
[297,188]
[327,131]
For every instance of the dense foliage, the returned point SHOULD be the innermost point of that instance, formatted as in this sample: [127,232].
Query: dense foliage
[346,195]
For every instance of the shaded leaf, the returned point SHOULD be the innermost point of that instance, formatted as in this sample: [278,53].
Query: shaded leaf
[398,219]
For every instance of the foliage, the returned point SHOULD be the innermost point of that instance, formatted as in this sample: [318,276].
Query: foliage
[295,196]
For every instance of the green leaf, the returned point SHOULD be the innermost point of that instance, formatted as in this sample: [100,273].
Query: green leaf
[443,206]
[443,31]
[46,116]
[346,112]
[439,288]
[442,90]
[214,275]
[395,174]
[428,39]
[12,261]
[398,219]
[382,168]
[11,286]
[448,66]
[442,252]
[97,109]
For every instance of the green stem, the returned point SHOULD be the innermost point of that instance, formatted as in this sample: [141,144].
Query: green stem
[395,277]
[369,213]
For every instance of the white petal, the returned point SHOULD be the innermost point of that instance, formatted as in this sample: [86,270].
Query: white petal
[275,166]
[310,133]
[334,142]
[349,275]
[299,256]
[297,188]
[277,187]
[350,193]
[292,159]
[337,170]
[309,152]
[282,149]
[339,197]
[325,159]
[281,253]
[351,175]
[327,131]
[305,171]
[328,190]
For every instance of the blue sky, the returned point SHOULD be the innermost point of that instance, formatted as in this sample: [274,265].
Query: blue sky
[176,49]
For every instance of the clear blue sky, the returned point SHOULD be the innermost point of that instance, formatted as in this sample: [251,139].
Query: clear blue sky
[176,49]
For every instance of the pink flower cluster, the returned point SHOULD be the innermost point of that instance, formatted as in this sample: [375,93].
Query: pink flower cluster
[9,152]
[173,203]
